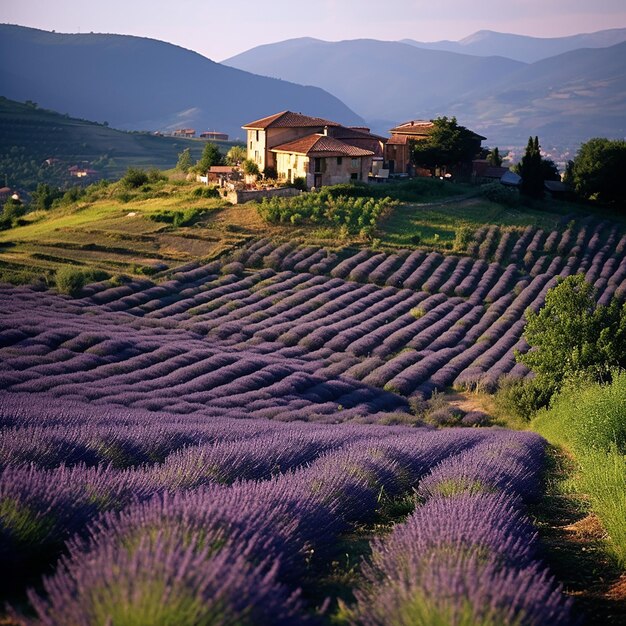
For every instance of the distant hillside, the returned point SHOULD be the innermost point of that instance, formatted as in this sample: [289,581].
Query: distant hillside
[568,98]
[136,83]
[381,80]
[522,47]
[30,135]
[565,99]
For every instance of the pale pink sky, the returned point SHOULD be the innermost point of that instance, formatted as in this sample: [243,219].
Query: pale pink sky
[221,28]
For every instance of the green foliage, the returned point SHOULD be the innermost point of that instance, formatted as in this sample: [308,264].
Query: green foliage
[206,192]
[549,170]
[211,155]
[155,175]
[71,280]
[447,144]
[588,415]
[496,192]
[11,212]
[602,475]
[300,183]
[521,398]
[270,173]
[235,155]
[493,158]
[531,171]
[44,196]
[250,168]
[462,237]
[590,419]
[134,178]
[353,214]
[184,161]
[598,169]
[188,217]
[571,335]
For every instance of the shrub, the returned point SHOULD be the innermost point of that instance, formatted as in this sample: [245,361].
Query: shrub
[522,398]
[134,178]
[250,168]
[71,280]
[462,237]
[206,192]
[300,183]
[353,215]
[188,217]
[589,415]
[496,192]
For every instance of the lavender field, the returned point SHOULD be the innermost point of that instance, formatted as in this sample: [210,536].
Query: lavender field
[197,450]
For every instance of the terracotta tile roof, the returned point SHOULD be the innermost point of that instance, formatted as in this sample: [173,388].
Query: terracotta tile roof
[351,132]
[420,128]
[322,145]
[288,119]
[398,140]
[413,127]
[221,169]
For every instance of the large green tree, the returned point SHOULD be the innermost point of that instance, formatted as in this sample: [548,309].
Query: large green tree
[598,169]
[572,335]
[447,144]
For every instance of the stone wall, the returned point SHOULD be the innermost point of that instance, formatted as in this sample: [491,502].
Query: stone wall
[241,196]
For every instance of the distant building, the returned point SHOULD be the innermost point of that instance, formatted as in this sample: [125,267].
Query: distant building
[5,194]
[214,135]
[78,171]
[398,146]
[320,151]
[483,171]
[184,132]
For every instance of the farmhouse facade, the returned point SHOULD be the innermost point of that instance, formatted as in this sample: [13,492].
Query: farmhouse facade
[398,147]
[319,151]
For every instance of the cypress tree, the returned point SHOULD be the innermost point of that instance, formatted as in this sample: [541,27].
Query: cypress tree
[530,170]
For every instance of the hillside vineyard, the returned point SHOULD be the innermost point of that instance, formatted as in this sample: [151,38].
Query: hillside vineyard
[130,485]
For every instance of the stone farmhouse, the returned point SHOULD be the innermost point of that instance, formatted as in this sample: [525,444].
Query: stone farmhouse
[322,152]
[292,145]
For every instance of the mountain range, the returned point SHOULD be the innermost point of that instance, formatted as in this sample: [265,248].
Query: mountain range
[522,47]
[553,88]
[566,99]
[135,83]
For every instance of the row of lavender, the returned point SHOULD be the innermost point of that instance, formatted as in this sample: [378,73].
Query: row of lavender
[532,250]
[240,527]
[326,347]
[469,554]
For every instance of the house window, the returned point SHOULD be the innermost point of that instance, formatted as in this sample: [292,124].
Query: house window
[354,176]
[256,156]
[339,160]
[318,164]
[250,144]
[257,135]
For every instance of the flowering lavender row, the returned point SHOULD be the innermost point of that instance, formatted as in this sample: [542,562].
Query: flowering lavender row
[469,554]
[175,525]
[202,338]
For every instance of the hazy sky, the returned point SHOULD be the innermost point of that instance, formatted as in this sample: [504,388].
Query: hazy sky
[221,28]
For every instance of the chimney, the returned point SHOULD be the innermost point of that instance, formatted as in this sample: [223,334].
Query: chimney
[325,130]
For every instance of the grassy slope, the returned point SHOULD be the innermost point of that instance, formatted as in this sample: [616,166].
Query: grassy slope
[115,233]
[37,134]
